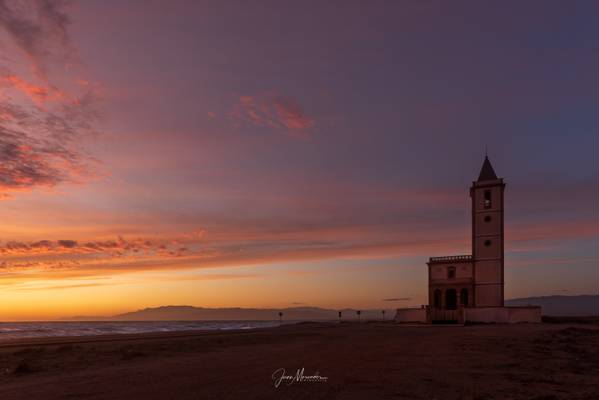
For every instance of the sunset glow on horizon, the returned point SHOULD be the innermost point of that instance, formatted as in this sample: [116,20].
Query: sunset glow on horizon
[195,153]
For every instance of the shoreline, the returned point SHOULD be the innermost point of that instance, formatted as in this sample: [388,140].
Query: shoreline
[39,332]
[176,334]
[119,337]
[190,333]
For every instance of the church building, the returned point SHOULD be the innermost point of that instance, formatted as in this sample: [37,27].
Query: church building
[470,287]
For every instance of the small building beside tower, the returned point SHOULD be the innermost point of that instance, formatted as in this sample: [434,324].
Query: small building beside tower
[470,288]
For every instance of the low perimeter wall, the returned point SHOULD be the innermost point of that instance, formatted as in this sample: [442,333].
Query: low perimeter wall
[411,315]
[503,315]
[485,315]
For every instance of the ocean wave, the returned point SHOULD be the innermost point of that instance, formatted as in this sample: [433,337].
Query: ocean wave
[59,329]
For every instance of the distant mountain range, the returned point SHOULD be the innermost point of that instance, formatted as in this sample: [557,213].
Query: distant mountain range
[582,305]
[256,314]
[190,313]
[552,305]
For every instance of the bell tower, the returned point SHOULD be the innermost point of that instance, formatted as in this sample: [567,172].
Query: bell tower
[488,237]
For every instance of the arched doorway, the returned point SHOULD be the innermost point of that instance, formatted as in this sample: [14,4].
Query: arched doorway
[464,297]
[451,299]
[437,298]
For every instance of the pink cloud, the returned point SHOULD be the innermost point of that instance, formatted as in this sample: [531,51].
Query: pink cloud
[291,114]
[37,93]
[39,29]
[113,248]
[276,112]
[43,120]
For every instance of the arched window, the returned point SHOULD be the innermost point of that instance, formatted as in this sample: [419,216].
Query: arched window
[464,297]
[451,299]
[450,272]
[437,298]
[487,199]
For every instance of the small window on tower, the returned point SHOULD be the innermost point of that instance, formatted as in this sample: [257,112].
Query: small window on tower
[488,218]
[450,272]
[487,243]
[487,199]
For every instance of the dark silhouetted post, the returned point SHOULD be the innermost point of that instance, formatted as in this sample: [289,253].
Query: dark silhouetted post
[280,317]
[383,314]
[340,316]
[358,312]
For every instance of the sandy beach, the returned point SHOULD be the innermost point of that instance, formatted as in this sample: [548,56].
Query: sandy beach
[368,360]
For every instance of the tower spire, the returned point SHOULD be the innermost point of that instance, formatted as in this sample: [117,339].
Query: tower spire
[487,173]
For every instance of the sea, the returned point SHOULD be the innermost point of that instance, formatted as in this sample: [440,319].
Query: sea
[22,330]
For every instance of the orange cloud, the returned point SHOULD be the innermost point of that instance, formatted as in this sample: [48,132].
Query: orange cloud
[38,94]
[291,114]
[116,248]
[58,259]
[39,145]
[275,112]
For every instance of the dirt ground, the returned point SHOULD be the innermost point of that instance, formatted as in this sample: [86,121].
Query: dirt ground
[359,361]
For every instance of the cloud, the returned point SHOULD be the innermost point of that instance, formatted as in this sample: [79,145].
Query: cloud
[69,244]
[68,258]
[231,245]
[118,247]
[61,287]
[39,94]
[28,160]
[255,243]
[107,281]
[281,113]
[42,126]
[38,27]
[291,114]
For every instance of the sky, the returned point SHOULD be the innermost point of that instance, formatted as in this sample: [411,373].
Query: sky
[281,154]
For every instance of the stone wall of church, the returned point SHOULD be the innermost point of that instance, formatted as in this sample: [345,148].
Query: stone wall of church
[488,223]
[504,315]
[488,272]
[488,247]
[488,295]
[411,315]
[439,272]
[488,243]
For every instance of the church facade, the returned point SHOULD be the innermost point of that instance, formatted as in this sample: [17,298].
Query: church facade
[470,287]
[475,280]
